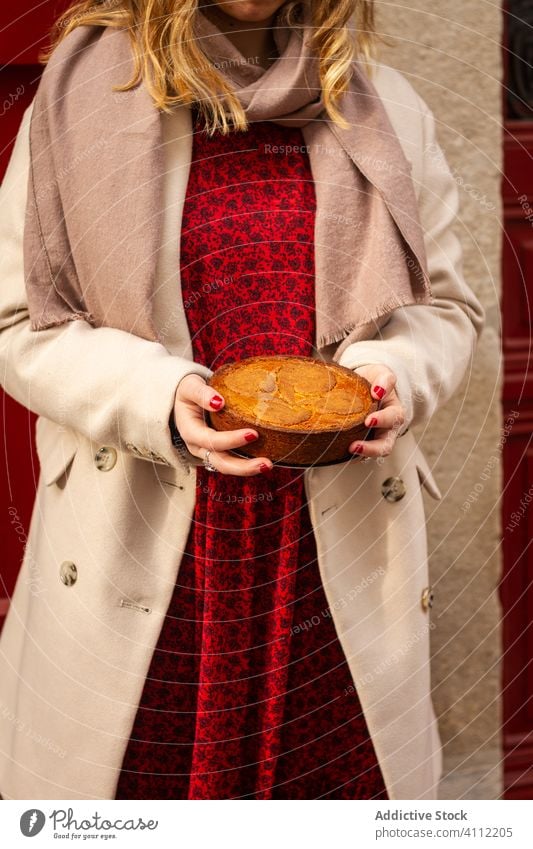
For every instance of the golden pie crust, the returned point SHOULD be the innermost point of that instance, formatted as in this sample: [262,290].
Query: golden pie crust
[306,411]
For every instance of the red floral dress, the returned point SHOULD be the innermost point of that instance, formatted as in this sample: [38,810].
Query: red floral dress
[249,694]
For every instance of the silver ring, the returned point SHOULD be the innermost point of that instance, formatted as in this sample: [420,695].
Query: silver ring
[209,466]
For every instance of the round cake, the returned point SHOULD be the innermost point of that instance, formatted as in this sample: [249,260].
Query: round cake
[306,411]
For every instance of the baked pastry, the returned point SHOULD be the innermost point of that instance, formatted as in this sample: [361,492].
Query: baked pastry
[306,411]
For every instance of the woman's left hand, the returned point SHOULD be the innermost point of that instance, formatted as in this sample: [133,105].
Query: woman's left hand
[388,419]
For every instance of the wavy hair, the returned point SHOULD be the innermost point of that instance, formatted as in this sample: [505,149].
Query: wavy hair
[175,70]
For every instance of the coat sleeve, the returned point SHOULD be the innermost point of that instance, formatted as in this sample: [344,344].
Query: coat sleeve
[429,347]
[112,386]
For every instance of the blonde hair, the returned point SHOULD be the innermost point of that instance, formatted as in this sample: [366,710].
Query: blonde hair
[170,61]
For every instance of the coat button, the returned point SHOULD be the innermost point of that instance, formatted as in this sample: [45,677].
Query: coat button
[428,597]
[393,489]
[68,573]
[105,458]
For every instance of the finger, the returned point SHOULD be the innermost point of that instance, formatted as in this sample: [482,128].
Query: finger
[198,392]
[227,464]
[382,384]
[202,436]
[380,447]
[387,417]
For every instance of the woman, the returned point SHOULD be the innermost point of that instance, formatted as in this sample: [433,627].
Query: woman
[162,643]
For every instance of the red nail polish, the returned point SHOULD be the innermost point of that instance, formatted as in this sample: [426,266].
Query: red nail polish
[216,402]
[249,437]
[264,467]
[380,392]
[373,422]
[358,448]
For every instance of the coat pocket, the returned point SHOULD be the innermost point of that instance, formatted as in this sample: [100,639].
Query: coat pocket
[56,446]
[426,476]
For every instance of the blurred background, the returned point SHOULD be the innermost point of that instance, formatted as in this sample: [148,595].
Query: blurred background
[472,63]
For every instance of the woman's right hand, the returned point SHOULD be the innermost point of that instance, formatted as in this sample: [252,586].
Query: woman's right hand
[193,396]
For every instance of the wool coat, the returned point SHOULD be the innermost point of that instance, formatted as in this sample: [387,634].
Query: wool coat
[115,499]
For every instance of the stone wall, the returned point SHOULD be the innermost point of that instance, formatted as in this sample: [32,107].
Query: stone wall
[451,53]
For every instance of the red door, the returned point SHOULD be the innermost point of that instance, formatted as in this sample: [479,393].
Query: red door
[517,306]
[23,33]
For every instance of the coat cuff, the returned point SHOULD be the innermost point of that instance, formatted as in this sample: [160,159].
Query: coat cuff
[154,437]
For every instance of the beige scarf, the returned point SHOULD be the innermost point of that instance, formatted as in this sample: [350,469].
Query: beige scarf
[93,225]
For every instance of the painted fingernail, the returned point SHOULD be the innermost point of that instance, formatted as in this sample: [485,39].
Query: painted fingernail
[373,422]
[264,468]
[357,448]
[380,392]
[249,437]
[216,402]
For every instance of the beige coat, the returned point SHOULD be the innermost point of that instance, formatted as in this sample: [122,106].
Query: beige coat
[114,502]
